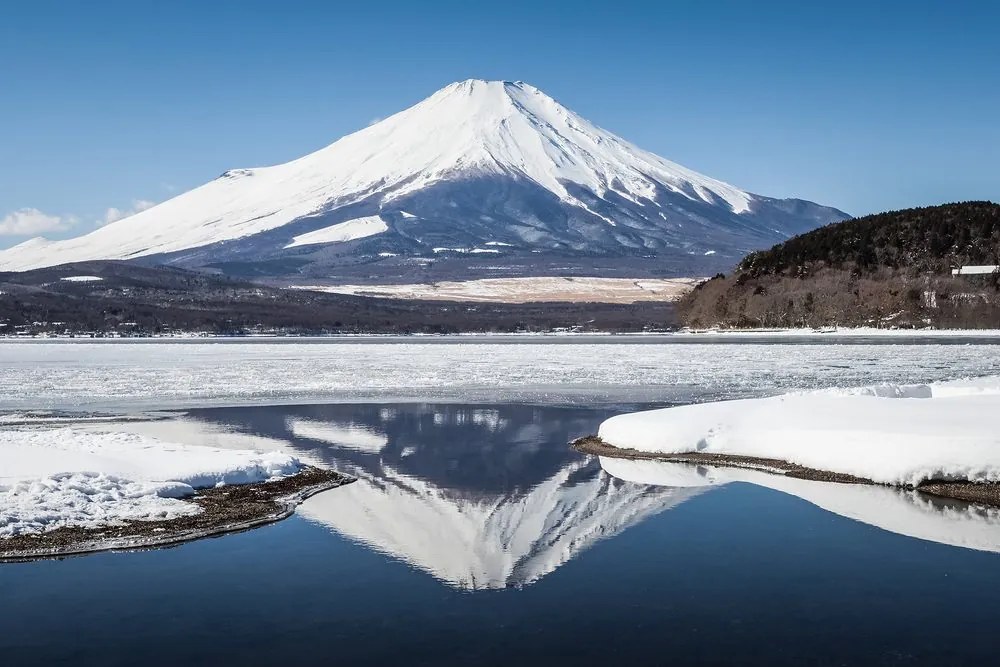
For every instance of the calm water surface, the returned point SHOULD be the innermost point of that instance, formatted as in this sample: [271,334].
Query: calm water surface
[476,536]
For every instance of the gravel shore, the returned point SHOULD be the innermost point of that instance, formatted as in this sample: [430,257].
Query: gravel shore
[982,494]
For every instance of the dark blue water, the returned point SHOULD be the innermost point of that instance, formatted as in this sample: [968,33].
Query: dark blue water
[734,575]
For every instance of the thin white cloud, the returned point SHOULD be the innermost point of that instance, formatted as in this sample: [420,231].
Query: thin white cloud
[114,214]
[31,221]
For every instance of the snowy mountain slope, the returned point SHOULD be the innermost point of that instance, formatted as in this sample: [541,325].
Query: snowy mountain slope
[475,163]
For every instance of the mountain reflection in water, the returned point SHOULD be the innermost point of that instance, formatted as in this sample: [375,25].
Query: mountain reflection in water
[480,497]
[492,496]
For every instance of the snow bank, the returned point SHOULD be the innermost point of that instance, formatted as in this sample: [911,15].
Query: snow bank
[50,478]
[890,434]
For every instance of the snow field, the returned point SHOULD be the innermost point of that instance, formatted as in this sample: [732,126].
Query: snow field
[58,477]
[901,435]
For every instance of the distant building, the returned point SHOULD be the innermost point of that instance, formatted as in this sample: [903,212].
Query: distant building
[975,270]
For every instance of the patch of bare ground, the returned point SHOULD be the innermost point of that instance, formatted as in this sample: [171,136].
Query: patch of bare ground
[225,509]
[979,493]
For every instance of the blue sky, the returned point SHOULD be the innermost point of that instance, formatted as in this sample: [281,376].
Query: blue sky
[107,106]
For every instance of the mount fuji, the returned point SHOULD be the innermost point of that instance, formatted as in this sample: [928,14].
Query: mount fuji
[481,179]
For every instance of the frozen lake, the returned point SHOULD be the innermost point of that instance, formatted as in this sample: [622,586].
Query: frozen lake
[74,375]
[475,536]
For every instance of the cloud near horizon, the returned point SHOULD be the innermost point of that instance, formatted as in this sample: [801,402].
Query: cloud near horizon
[114,214]
[31,221]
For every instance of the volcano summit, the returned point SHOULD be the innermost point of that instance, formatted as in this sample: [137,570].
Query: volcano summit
[481,179]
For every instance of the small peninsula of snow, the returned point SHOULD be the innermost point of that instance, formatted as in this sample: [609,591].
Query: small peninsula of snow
[57,477]
[902,435]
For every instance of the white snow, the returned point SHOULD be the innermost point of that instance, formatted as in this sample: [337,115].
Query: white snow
[975,270]
[896,510]
[50,478]
[82,279]
[468,128]
[889,434]
[351,230]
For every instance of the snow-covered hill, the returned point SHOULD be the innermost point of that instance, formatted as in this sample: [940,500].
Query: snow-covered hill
[490,173]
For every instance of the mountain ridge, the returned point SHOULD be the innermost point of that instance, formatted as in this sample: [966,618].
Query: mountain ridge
[476,163]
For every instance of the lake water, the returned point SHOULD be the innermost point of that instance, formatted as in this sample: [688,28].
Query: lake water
[476,536]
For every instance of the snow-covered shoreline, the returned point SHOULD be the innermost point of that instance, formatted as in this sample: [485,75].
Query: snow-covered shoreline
[53,478]
[888,434]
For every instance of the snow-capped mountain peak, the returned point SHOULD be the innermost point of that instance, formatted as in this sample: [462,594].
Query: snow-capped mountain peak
[476,162]
[508,128]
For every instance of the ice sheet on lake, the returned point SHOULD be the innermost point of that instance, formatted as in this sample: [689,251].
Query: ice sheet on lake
[902,435]
[113,375]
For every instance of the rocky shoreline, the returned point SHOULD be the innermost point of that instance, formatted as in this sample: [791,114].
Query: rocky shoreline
[225,509]
[980,493]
